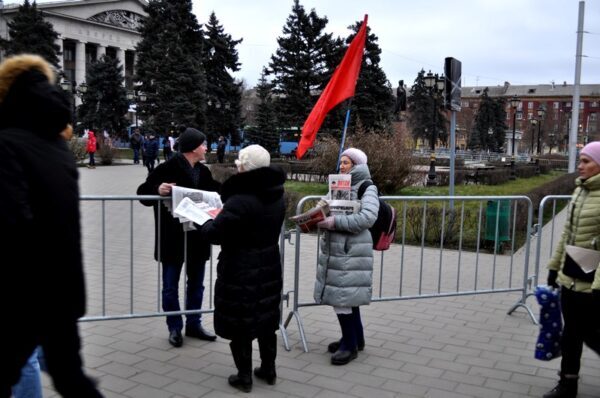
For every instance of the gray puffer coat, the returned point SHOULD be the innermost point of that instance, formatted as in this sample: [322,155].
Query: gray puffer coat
[345,269]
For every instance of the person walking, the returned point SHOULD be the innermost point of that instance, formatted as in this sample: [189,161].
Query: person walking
[579,292]
[44,285]
[249,279]
[221,149]
[345,265]
[136,144]
[91,147]
[184,169]
[167,144]
[151,148]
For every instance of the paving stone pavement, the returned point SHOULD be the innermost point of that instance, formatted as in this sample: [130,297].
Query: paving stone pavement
[457,346]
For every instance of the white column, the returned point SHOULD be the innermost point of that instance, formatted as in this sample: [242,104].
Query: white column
[61,57]
[79,63]
[100,52]
[121,58]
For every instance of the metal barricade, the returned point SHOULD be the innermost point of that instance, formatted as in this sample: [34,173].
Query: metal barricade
[439,254]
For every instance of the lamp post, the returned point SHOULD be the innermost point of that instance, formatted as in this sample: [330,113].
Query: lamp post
[532,149]
[134,96]
[541,112]
[75,91]
[514,103]
[435,84]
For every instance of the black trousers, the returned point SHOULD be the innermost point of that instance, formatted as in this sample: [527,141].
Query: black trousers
[241,349]
[60,342]
[582,325]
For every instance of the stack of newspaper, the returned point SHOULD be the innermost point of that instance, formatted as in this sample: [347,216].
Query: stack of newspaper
[337,203]
[193,206]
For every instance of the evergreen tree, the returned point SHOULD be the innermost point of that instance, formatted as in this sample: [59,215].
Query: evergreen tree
[30,33]
[373,102]
[223,93]
[266,132]
[169,67]
[104,104]
[490,126]
[426,113]
[300,65]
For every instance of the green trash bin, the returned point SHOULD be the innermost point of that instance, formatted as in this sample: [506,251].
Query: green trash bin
[503,220]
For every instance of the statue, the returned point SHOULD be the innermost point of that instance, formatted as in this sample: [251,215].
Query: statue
[400,99]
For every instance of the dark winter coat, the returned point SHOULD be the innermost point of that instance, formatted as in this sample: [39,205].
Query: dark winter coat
[249,279]
[176,170]
[42,270]
[151,148]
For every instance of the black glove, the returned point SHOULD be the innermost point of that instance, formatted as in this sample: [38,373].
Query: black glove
[552,275]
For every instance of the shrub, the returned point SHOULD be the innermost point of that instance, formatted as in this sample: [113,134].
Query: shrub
[390,159]
[77,147]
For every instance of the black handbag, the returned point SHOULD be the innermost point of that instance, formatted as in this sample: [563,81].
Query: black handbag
[572,269]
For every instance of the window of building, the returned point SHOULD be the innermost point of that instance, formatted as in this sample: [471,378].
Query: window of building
[581,105]
[530,105]
[529,115]
[593,117]
[556,105]
[519,115]
[594,104]
[465,104]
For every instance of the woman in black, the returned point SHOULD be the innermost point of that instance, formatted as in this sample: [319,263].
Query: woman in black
[249,280]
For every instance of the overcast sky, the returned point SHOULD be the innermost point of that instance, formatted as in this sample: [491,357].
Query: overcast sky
[519,41]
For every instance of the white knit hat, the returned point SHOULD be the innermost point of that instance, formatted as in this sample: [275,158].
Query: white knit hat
[356,155]
[253,157]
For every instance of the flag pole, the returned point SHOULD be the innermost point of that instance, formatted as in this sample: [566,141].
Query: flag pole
[343,137]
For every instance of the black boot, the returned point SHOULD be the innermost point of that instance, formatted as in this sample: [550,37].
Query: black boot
[267,346]
[358,329]
[241,350]
[347,350]
[566,388]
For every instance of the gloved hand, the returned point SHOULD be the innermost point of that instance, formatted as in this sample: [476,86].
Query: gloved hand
[552,275]
[327,223]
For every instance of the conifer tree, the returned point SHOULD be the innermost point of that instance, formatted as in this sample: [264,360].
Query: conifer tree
[30,33]
[490,124]
[265,132]
[300,65]
[104,104]
[169,67]
[223,93]
[425,112]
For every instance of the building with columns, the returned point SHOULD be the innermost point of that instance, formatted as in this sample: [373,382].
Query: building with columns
[87,30]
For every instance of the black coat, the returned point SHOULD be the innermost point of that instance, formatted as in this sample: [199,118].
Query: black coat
[172,239]
[249,279]
[39,214]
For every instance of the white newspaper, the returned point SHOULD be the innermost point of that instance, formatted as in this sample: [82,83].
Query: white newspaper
[206,200]
[340,187]
[199,213]
[343,207]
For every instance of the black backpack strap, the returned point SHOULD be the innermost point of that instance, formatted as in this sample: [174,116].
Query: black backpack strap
[363,187]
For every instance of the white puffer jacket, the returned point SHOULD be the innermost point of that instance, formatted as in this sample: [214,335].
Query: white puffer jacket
[345,266]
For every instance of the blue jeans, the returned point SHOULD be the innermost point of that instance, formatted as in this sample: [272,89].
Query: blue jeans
[30,383]
[136,155]
[194,292]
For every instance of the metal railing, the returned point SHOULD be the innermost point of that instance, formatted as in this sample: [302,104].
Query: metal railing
[431,260]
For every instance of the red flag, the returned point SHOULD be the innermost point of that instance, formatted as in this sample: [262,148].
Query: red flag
[340,87]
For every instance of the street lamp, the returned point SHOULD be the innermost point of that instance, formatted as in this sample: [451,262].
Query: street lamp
[134,96]
[435,84]
[514,103]
[541,112]
[75,91]
[533,123]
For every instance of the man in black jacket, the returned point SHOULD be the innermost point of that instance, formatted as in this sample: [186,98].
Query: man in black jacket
[184,169]
[43,291]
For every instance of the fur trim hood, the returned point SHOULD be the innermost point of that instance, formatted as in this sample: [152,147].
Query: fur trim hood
[29,98]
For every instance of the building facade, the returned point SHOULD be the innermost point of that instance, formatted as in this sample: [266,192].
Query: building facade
[551,131]
[89,29]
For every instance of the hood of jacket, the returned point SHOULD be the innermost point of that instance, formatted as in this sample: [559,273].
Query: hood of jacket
[29,98]
[592,183]
[265,183]
[359,173]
